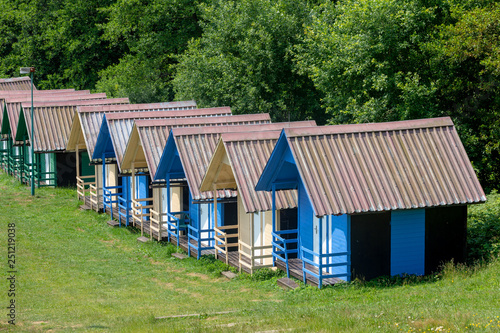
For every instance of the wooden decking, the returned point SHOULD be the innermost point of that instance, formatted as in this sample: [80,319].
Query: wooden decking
[296,271]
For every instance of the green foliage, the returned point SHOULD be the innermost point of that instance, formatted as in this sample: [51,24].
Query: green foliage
[61,39]
[483,230]
[243,60]
[366,58]
[152,33]
[466,65]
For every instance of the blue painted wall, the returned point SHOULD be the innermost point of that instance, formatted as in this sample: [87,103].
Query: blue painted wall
[340,241]
[305,222]
[408,241]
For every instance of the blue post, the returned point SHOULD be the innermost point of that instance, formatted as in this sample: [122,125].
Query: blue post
[168,206]
[103,180]
[274,221]
[320,268]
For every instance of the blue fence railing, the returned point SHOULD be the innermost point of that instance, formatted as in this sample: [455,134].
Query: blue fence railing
[176,222]
[317,262]
[281,248]
[110,198]
[196,235]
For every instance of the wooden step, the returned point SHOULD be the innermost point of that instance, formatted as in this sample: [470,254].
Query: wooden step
[230,275]
[113,223]
[179,256]
[287,283]
[143,239]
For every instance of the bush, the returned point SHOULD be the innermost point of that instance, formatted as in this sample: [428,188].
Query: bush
[483,230]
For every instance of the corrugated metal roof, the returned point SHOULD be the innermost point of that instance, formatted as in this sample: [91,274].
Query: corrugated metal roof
[89,120]
[350,169]
[247,155]
[196,150]
[181,105]
[39,95]
[16,83]
[53,122]
[120,124]
[13,104]
[153,134]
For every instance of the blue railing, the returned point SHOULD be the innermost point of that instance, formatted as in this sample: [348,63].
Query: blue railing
[280,243]
[195,234]
[321,275]
[124,209]
[107,199]
[176,224]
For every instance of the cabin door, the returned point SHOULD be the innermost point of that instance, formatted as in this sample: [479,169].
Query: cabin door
[205,210]
[288,221]
[231,218]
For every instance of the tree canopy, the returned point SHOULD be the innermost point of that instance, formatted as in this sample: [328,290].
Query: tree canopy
[345,61]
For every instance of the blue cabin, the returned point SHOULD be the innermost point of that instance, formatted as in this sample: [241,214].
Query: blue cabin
[114,134]
[183,163]
[374,199]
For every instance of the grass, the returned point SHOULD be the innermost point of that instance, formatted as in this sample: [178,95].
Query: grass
[77,274]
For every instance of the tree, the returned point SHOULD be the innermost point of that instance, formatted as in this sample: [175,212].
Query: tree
[366,57]
[153,33]
[467,62]
[61,39]
[243,60]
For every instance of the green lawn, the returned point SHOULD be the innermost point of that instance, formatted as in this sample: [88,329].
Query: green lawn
[76,273]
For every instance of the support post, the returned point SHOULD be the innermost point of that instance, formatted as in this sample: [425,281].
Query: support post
[215,222]
[32,70]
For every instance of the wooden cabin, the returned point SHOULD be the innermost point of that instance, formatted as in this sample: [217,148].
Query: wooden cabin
[374,199]
[170,197]
[111,144]
[83,138]
[52,124]
[236,164]
[17,149]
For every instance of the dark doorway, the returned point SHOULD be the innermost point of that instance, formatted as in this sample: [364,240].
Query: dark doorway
[230,215]
[445,236]
[370,245]
[288,221]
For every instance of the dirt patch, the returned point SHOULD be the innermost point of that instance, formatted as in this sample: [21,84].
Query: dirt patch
[80,229]
[164,285]
[199,275]
[108,242]
[429,323]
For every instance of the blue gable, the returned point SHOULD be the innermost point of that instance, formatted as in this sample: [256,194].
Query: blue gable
[280,168]
[170,162]
[104,145]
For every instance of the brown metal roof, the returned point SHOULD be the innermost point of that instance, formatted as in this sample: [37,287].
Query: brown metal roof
[196,150]
[120,123]
[86,126]
[25,95]
[182,105]
[13,104]
[153,134]
[350,169]
[240,158]
[16,83]
[53,123]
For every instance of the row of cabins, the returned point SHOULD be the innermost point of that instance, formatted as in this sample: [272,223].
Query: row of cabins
[324,203]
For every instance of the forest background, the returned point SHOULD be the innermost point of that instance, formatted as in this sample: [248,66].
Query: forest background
[335,62]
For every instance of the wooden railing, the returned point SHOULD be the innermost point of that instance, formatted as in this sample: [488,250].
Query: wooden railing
[253,257]
[95,197]
[83,186]
[221,244]
[139,216]
[155,224]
